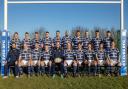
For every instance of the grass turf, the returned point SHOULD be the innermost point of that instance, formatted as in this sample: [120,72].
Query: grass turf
[67,83]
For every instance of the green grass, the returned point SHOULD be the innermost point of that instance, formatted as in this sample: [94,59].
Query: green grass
[67,83]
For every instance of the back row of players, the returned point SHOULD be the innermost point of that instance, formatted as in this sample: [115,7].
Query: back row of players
[63,41]
[74,52]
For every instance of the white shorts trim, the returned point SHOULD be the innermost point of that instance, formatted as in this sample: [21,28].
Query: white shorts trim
[69,62]
[80,61]
[46,62]
[24,62]
[35,62]
[113,62]
[101,62]
[90,62]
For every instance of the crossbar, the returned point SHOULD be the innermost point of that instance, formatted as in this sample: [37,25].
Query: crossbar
[65,2]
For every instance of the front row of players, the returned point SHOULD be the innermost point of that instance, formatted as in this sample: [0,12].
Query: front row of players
[86,61]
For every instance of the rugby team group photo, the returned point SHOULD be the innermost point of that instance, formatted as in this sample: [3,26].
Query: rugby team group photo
[63,56]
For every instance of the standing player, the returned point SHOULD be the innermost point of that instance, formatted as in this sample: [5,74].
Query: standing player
[90,61]
[100,56]
[96,40]
[77,39]
[16,40]
[47,41]
[57,39]
[68,57]
[113,58]
[25,60]
[86,40]
[66,39]
[35,40]
[45,60]
[35,58]
[79,58]
[107,41]
[27,41]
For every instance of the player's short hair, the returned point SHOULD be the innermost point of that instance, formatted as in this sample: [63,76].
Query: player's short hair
[26,33]
[16,33]
[13,43]
[112,41]
[57,31]
[58,42]
[80,43]
[108,32]
[69,43]
[77,31]
[36,32]
[91,45]
[102,43]
[37,43]
[97,31]
[86,31]
[46,44]
[46,32]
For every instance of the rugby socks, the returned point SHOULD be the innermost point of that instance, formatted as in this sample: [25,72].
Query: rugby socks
[29,70]
[98,69]
[16,70]
[20,70]
[42,68]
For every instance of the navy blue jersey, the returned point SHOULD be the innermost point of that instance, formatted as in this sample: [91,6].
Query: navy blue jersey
[57,53]
[34,41]
[25,55]
[55,40]
[36,54]
[100,54]
[89,55]
[46,55]
[107,42]
[85,43]
[69,54]
[28,42]
[65,40]
[47,41]
[13,55]
[75,41]
[96,42]
[114,54]
[79,55]
[17,42]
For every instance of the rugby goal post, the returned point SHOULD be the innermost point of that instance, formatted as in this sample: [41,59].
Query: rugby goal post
[5,34]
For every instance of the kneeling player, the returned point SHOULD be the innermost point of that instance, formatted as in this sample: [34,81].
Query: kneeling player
[100,56]
[35,58]
[25,60]
[114,62]
[45,60]
[79,58]
[91,62]
[68,57]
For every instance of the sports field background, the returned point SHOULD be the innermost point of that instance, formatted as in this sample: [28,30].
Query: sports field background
[67,83]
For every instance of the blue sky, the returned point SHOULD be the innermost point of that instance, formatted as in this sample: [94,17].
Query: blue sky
[62,17]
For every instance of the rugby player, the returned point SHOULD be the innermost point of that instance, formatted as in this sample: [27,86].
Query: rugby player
[96,40]
[114,60]
[79,58]
[91,61]
[77,39]
[25,60]
[16,40]
[45,60]
[69,56]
